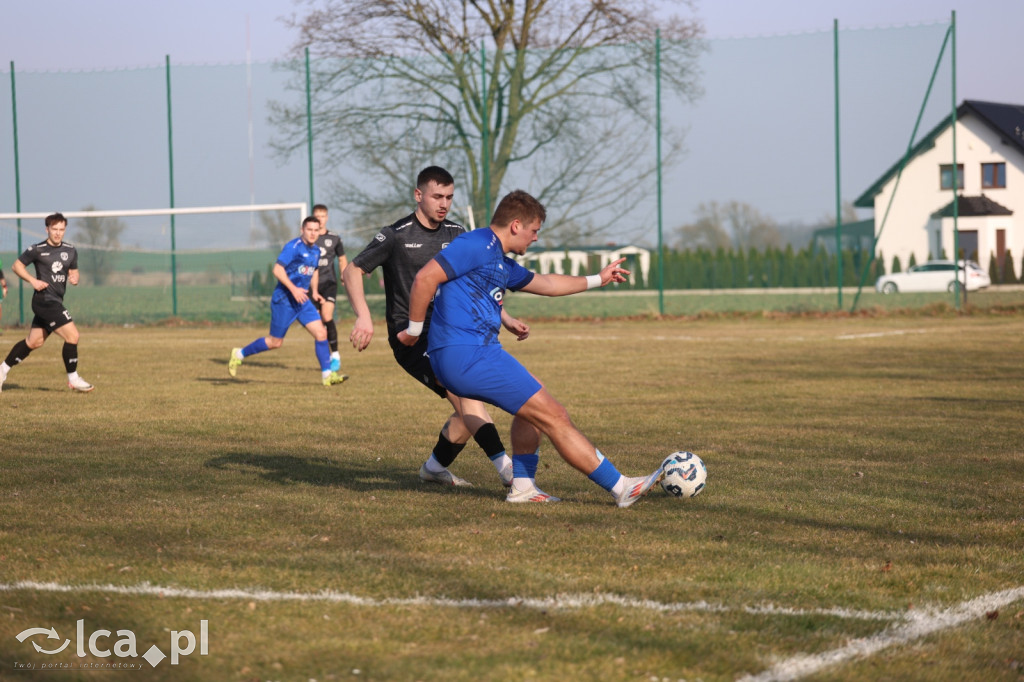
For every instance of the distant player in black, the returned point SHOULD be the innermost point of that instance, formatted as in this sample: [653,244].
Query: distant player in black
[3,287]
[56,264]
[331,251]
[400,250]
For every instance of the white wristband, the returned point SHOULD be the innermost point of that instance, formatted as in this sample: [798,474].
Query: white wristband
[593,281]
[415,328]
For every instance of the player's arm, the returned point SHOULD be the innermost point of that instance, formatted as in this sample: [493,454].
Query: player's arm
[21,271]
[314,286]
[362,332]
[428,279]
[282,276]
[516,326]
[342,264]
[563,285]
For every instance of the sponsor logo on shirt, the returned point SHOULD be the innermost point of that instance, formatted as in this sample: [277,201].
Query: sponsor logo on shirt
[498,294]
[413,246]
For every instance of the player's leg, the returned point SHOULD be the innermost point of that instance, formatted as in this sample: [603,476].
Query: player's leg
[69,332]
[327,316]
[310,319]
[36,336]
[550,417]
[474,419]
[282,313]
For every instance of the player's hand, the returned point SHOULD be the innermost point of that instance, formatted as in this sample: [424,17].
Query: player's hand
[300,296]
[613,273]
[73,277]
[517,327]
[362,334]
[38,284]
[406,340]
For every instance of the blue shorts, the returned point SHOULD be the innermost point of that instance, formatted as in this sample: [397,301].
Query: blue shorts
[486,373]
[284,310]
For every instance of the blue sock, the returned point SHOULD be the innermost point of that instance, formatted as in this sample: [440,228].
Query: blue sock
[525,466]
[323,354]
[605,475]
[257,346]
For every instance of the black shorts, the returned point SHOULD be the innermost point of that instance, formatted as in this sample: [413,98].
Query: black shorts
[414,360]
[49,314]
[328,290]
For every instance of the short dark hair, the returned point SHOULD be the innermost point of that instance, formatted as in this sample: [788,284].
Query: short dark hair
[518,205]
[55,218]
[310,219]
[436,174]
[320,207]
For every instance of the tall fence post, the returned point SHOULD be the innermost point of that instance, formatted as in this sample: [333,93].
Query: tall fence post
[17,191]
[657,134]
[170,161]
[839,200]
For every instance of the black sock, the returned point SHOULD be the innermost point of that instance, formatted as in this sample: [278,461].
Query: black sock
[489,441]
[70,353]
[18,353]
[332,335]
[446,451]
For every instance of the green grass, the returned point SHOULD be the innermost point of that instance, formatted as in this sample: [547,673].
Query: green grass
[868,463]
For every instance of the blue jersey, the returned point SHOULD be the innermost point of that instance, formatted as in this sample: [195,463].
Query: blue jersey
[467,308]
[300,261]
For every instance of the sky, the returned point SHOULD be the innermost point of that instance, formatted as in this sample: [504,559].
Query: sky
[46,39]
[104,34]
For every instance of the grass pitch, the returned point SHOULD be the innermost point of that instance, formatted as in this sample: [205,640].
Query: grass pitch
[865,482]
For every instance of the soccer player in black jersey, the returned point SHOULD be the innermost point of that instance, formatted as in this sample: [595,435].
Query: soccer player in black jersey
[400,250]
[56,265]
[331,251]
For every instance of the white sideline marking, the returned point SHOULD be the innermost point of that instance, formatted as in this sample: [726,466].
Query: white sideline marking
[567,601]
[918,624]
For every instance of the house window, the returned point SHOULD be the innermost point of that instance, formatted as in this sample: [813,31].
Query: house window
[993,175]
[946,176]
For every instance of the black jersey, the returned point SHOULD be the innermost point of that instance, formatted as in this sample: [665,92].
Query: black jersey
[331,249]
[401,250]
[52,266]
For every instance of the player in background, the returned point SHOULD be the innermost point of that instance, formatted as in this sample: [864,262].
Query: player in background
[400,250]
[473,274]
[296,273]
[56,266]
[331,251]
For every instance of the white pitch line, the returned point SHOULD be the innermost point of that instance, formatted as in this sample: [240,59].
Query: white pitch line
[875,335]
[565,601]
[918,623]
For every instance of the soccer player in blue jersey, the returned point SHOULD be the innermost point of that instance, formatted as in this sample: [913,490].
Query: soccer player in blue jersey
[473,274]
[296,273]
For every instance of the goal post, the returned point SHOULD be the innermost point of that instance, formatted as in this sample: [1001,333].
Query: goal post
[203,234]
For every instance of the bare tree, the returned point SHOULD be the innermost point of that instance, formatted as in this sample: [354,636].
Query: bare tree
[275,229]
[98,243]
[733,223]
[553,96]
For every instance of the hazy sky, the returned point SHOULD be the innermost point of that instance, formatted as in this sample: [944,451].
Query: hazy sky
[762,134]
[102,34]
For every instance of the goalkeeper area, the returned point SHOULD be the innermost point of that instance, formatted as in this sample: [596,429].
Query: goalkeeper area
[144,265]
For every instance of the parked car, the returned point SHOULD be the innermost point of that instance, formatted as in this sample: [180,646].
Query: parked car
[934,275]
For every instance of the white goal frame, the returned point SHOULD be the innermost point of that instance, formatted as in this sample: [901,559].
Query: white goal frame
[129,213]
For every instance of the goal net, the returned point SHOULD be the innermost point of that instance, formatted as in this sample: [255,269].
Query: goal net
[145,265]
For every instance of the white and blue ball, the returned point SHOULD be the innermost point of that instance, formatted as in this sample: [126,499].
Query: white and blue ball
[685,474]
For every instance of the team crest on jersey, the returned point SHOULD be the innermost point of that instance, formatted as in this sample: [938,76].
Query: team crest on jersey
[63,255]
[328,242]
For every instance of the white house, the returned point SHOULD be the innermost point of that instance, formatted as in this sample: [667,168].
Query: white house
[990,181]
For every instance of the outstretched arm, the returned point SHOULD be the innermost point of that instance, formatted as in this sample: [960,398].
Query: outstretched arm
[563,285]
[428,279]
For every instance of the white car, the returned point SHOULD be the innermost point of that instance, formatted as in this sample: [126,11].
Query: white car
[935,275]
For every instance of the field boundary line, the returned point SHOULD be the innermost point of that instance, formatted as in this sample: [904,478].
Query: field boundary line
[561,601]
[918,623]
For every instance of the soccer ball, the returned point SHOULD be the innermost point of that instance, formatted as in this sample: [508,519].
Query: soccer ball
[685,474]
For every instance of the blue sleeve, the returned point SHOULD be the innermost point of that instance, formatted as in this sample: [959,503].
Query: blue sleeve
[461,256]
[518,276]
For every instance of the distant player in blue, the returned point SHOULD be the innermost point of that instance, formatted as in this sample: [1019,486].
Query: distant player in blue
[296,273]
[473,274]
